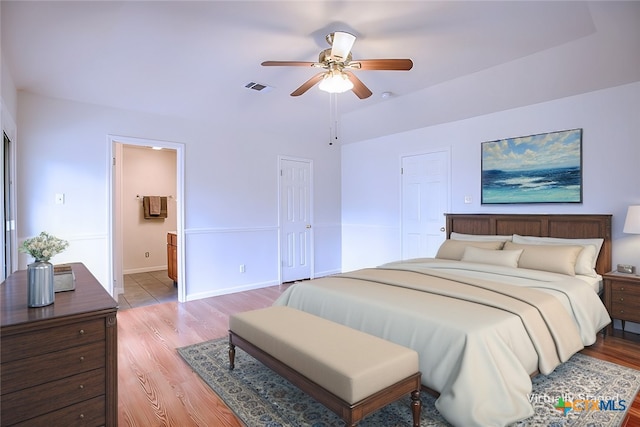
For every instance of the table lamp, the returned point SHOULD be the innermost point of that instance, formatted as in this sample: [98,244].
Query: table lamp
[631,226]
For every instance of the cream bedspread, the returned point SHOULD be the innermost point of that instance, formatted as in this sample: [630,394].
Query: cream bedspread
[478,345]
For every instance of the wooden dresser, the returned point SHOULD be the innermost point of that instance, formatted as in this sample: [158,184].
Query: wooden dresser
[58,364]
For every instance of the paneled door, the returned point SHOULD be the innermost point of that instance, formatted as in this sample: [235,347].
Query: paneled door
[425,200]
[296,234]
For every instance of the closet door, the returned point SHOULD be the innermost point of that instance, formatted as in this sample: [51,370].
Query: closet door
[425,200]
[296,234]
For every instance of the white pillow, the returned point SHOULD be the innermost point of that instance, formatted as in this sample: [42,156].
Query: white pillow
[479,237]
[586,262]
[553,258]
[454,249]
[487,256]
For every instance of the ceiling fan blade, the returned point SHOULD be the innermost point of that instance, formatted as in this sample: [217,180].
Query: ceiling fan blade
[341,45]
[308,84]
[288,64]
[359,88]
[382,64]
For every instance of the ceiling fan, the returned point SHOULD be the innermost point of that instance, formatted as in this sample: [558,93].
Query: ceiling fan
[338,63]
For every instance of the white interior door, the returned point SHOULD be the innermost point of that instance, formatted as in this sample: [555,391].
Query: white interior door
[296,234]
[425,200]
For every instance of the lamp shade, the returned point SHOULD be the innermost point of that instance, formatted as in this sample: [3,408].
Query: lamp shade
[632,222]
[335,82]
[341,45]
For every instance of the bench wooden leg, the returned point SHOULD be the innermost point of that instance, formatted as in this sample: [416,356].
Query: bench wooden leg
[416,407]
[232,356]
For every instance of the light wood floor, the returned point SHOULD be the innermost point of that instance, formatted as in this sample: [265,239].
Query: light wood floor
[157,388]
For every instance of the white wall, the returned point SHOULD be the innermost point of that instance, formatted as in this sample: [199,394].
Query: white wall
[579,66]
[610,120]
[8,92]
[8,113]
[146,172]
[231,189]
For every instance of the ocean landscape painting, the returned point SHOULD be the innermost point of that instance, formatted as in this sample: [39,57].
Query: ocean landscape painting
[543,168]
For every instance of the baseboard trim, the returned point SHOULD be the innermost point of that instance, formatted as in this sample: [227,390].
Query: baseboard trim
[144,269]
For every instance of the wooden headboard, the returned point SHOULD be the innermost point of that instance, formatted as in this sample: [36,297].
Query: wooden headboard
[543,225]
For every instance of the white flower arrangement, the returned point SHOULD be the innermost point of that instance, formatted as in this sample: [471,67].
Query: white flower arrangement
[43,246]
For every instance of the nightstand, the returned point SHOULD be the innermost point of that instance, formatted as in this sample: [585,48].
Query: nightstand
[622,297]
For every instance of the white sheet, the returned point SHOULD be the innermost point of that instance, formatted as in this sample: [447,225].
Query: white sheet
[594,282]
[464,351]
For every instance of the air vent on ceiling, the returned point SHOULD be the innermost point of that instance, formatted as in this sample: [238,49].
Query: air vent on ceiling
[258,86]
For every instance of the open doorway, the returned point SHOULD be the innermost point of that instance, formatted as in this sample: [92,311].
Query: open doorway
[142,169]
[9,241]
[9,238]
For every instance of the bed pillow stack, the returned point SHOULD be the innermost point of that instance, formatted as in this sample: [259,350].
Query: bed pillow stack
[554,258]
[507,258]
[454,249]
[566,256]
[585,263]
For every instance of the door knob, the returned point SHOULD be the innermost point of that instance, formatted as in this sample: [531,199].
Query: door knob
[308,225]
[442,229]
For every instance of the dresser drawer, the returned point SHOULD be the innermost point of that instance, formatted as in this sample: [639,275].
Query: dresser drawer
[624,288]
[625,311]
[29,372]
[630,299]
[20,346]
[89,413]
[35,401]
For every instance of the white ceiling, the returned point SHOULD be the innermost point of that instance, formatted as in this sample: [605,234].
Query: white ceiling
[193,59]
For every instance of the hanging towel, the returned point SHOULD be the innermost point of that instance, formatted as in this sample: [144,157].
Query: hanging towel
[146,205]
[154,205]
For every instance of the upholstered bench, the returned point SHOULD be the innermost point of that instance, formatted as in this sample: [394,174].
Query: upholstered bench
[350,372]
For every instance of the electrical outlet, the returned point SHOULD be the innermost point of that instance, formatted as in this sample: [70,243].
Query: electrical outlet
[242,268]
[146,254]
[59,198]
[467,199]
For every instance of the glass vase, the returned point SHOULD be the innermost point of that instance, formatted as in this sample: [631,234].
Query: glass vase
[40,292]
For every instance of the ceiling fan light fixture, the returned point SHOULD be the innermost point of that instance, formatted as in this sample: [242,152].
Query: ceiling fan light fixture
[338,64]
[335,82]
[341,45]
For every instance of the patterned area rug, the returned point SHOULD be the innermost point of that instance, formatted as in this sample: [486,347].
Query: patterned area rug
[593,393]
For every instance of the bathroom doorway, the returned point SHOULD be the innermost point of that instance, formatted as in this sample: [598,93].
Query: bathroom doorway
[144,168]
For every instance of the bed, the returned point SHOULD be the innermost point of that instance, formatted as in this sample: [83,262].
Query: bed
[481,325]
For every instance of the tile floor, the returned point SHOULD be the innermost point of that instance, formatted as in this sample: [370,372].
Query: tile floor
[147,288]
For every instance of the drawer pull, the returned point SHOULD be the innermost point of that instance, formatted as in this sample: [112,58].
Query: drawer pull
[621,299]
[81,331]
[82,358]
[622,288]
[81,416]
[81,386]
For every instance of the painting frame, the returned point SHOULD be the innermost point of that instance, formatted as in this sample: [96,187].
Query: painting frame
[539,168]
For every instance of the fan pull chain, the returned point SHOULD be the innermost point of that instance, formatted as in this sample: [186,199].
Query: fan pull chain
[333,118]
